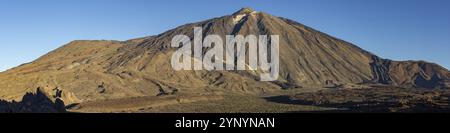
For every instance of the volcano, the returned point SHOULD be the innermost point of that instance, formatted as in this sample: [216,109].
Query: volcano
[93,70]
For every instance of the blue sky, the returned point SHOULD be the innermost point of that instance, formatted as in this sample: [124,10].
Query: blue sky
[395,29]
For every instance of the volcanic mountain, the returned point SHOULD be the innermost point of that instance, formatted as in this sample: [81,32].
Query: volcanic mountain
[90,70]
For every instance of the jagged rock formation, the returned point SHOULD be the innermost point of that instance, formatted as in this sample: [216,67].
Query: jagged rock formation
[141,67]
[37,102]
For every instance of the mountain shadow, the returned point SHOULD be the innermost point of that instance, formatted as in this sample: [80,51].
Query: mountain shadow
[36,102]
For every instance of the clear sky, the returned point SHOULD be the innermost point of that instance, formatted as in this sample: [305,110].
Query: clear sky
[395,29]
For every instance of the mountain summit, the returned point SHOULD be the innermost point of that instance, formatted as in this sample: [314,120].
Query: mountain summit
[141,67]
[245,10]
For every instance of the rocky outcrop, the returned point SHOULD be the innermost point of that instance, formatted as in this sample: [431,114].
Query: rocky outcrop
[36,102]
